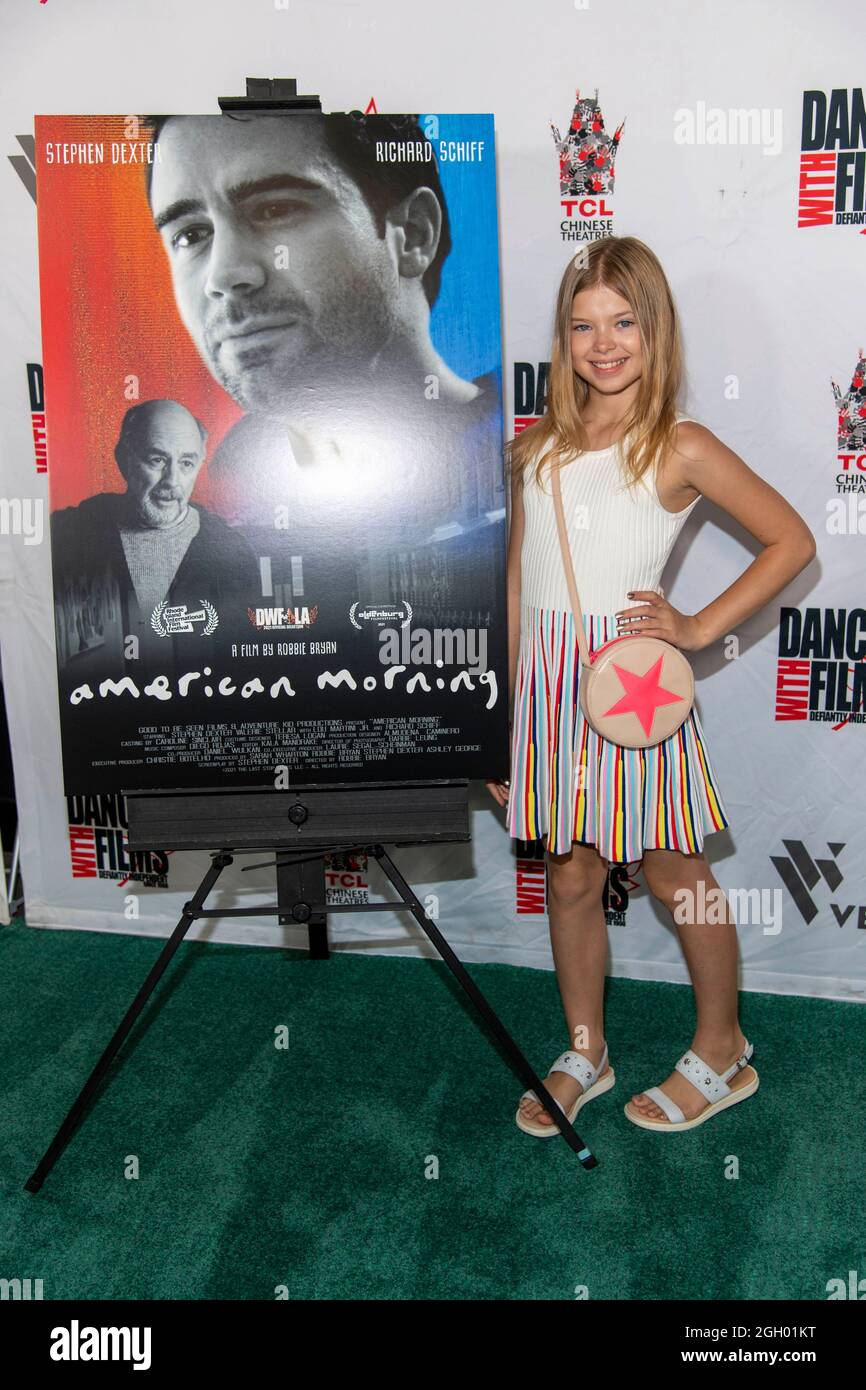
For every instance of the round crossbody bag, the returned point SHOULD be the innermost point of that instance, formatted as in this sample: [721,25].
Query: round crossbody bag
[635,691]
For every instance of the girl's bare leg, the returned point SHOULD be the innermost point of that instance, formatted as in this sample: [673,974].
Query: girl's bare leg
[578,937]
[711,952]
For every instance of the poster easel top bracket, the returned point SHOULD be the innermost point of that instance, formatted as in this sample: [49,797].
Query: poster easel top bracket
[270,94]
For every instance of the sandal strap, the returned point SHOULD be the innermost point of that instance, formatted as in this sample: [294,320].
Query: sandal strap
[580,1067]
[710,1084]
[530,1095]
[664,1102]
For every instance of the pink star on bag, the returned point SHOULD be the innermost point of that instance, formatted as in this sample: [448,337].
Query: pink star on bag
[643,694]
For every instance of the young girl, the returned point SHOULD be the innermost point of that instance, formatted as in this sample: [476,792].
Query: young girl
[632,470]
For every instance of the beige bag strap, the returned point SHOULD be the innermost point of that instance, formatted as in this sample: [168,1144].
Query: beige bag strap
[583,645]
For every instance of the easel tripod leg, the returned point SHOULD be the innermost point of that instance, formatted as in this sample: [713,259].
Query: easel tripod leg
[455,965]
[190,912]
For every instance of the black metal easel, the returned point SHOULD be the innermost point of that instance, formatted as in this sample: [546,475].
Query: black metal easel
[255,820]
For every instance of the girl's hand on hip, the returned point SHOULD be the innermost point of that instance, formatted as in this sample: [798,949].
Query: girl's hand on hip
[657,618]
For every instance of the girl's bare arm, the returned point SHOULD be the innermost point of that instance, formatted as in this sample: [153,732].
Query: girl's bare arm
[705,463]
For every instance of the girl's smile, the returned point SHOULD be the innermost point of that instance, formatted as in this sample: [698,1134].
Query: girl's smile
[608,367]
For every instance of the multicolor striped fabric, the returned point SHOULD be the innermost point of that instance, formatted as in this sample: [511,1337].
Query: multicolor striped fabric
[568,783]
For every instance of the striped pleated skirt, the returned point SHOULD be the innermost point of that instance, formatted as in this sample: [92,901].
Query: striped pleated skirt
[570,784]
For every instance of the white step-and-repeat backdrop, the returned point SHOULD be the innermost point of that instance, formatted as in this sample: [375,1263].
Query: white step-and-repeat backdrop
[741,160]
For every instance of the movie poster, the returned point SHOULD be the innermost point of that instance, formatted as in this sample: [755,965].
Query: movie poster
[273,389]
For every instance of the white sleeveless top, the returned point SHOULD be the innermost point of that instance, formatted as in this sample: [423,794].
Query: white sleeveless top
[620,539]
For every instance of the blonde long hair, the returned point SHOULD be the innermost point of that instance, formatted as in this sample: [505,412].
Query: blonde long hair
[632,270]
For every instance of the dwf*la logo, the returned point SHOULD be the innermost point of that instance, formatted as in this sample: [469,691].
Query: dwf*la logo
[269,619]
[169,619]
[800,874]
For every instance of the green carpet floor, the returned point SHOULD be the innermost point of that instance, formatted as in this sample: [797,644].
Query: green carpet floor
[305,1167]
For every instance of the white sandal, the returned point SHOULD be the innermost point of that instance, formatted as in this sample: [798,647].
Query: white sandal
[713,1087]
[582,1069]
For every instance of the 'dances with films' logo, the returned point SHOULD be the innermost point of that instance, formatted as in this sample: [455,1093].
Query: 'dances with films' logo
[530,393]
[97,844]
[586,172]
[833,160]
[821,672]
[36,392]
[530,884]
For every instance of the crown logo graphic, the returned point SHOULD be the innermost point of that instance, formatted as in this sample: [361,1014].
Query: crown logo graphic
[852,410]
[587,154]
